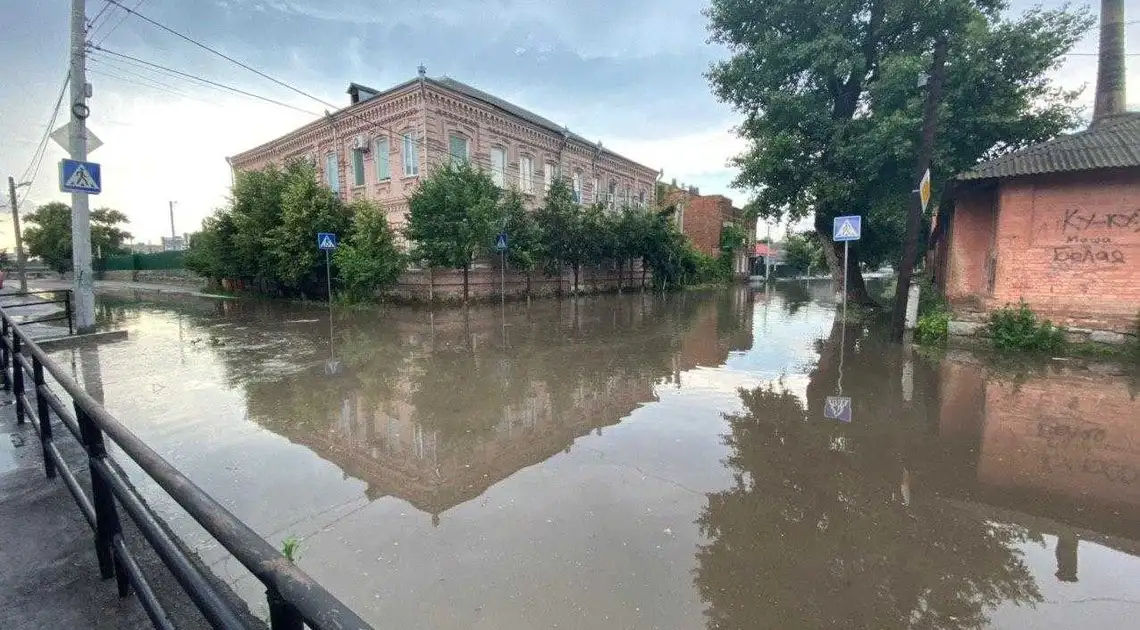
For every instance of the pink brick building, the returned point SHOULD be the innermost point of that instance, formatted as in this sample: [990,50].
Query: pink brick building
[379,146]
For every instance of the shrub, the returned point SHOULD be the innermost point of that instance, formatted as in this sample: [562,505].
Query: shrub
[1017,328]
[933,328]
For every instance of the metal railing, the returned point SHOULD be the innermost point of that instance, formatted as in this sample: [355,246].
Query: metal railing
[294,598]
[54,317]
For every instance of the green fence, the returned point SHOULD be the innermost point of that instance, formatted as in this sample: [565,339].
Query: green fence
[143,262]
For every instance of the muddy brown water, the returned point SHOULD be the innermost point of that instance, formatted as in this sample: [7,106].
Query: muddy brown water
[642,462]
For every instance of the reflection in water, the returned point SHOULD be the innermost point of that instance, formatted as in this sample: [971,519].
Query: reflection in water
[583,462]
[437,418]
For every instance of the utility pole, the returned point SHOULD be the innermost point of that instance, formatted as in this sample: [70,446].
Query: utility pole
[914,216]
[172,233]
[20,268]
[768,254]
[77,140]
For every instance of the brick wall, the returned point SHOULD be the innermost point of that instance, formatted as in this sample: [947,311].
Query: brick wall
[1075,434]
[970,247]
[1068,244]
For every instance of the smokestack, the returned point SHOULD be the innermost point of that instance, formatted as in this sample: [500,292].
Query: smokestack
[1110,62]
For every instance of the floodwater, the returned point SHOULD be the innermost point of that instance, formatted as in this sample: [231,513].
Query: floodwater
[642,462]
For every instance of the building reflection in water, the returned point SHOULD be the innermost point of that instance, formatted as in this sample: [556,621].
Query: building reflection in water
[436,413]
[916,514]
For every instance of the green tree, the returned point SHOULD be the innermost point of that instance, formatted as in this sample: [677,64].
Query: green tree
[560,220]
[832,114]
[211,253]
[308,207]
[368,260]
[803,252]
[523,235]
[452,217]
[49,236]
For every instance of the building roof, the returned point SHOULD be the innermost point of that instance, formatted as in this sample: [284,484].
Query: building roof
[1111,143]
[452,85]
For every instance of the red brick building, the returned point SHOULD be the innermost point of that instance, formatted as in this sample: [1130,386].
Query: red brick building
[702,217]
[1056,224]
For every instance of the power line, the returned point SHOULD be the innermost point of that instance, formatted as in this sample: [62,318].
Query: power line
[92,21]
[416,141]
[122,18]
[132,69]
[153,85]
[214,83]
[41,149]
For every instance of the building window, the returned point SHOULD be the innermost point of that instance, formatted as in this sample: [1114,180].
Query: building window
[548,175]
[641,198]
[457,147]
[411,159]
[597,192]
[357,167]
[499,166]
[577,187]
[383,158]
[526,174]
[332,172]
[611,196]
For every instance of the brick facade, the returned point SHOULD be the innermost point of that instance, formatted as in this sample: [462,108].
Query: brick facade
[432,113]
[701,217]
[1068,244]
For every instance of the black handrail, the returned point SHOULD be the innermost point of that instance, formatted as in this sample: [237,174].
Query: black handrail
[294,598]
[66,301]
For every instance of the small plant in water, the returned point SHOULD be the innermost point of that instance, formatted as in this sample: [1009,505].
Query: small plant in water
[290,548]
[1017,328]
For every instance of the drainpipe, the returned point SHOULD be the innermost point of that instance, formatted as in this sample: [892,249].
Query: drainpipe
[594,170]
[562,148]
[660,174]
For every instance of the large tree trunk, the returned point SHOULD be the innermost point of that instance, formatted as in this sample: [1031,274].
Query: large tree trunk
[576,269]
[466,268]
[643,272]
[833,254]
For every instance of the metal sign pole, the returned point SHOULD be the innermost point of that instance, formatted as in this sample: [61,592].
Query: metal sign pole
[503,277]
[328,276]
[846,245]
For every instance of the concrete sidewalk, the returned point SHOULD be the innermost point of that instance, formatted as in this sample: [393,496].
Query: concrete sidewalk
[129,289]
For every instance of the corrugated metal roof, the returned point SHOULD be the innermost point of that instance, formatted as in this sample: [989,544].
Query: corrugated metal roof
[1111,143]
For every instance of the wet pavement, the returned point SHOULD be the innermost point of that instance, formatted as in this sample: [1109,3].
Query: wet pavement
[642,462]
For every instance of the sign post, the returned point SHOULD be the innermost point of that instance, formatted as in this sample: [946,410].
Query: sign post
[326,241]
[501,246]
[844,230]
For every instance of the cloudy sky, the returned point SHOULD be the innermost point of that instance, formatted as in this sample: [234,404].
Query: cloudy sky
[627,72]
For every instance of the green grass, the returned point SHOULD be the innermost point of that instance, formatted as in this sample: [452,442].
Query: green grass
[290,548]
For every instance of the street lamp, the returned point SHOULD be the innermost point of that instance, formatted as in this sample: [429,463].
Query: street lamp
[12,186]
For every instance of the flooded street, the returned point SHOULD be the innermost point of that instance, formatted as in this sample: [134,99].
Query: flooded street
[641,462]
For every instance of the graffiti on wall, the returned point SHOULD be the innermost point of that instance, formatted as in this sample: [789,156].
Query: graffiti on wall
[1084,239]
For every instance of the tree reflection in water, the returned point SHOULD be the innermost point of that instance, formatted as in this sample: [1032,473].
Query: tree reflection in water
[818,529]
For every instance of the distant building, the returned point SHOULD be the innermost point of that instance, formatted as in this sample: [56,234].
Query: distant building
[379,146]
[144,248]
[1056,224]
[702,218]
[173,243]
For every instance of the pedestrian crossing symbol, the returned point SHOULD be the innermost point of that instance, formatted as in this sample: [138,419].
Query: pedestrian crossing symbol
[80,177]
[501,242]
[837,408]
[847,228]
[326,240]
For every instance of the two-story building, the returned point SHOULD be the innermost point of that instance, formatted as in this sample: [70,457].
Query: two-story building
[379,146]
[702,218]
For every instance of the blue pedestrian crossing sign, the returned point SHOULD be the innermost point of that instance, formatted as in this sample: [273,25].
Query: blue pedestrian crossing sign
[501,242]
[80,177]
[837,408]
[848,228]
[326,241]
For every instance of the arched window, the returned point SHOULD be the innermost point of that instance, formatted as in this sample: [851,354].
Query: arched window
[577,186]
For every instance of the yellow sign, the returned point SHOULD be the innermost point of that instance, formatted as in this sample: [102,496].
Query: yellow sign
[924,190]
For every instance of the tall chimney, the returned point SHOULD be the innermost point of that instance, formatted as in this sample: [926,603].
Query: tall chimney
[1110,63]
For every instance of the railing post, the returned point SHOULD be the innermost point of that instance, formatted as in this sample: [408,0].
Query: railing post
[17,377]
[67,307]
[106,520]
[282,614]
[44,414]
[5,328]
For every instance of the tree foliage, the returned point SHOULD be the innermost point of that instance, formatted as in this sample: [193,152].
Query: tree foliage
[266,237]
[804,251]
[49,236]
[452,217]
[832,113]
[368,261]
